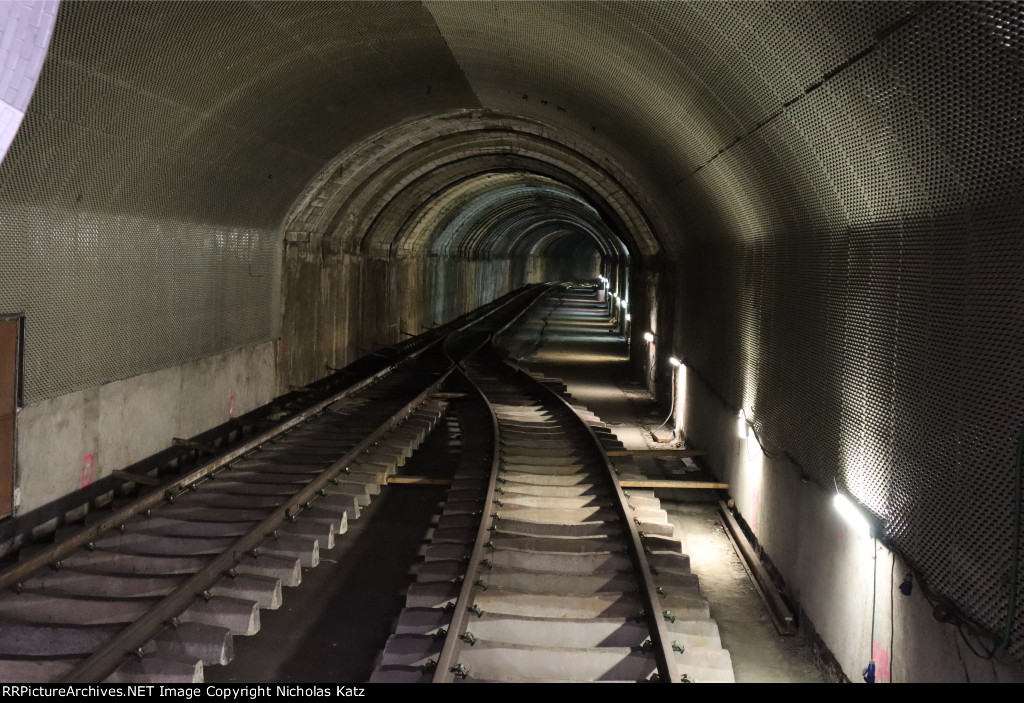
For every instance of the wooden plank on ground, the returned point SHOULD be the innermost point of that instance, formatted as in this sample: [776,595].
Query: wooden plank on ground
[656,452]
[418,481]
[666,483]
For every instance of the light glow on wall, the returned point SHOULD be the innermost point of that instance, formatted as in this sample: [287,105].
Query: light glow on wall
[680,409]
[753,446]
[852,515]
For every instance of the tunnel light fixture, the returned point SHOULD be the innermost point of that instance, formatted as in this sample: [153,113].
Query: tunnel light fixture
[741,425]
[753,446]
[649,336]
[629,318]
[625,304]
[674,361]
[852,515]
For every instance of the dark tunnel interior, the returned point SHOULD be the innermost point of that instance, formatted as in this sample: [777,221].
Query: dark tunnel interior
[815,206]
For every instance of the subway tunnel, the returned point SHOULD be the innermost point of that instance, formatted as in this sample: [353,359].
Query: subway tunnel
[816,207]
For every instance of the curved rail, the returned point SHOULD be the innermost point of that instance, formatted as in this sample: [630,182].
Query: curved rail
[111,653]
[446,671]
[447,667]
[667,669]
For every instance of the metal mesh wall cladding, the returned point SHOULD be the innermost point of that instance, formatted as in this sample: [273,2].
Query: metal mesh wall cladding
[140,202]
[858,288]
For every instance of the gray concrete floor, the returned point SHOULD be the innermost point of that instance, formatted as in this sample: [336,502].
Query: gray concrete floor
[759,653]
[594,365]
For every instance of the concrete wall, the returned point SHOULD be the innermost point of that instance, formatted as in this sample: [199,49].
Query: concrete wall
[67,442]
[340,308]
[827,568]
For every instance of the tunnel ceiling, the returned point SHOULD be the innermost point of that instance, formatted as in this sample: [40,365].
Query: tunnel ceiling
[380,200]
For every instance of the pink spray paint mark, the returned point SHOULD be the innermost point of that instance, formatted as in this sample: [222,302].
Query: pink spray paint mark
[282,346]
[231,406]
[881,657]
[87,461]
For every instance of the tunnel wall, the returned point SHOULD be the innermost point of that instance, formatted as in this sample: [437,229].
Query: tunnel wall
[70,441]
[828,569]
[147,194]
[143,199]
[851,280]
[351,305]
[342,309]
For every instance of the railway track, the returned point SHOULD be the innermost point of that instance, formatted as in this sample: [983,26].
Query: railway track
[155,588]
[541,568]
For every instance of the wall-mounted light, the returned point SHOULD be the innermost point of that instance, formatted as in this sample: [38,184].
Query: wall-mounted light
[741,425]
[629,318]
[680,389]
[649,336]
[625,304]
[852,515]
[753,446]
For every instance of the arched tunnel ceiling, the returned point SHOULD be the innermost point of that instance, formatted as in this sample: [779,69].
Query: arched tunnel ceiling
[489,215]
[365,199]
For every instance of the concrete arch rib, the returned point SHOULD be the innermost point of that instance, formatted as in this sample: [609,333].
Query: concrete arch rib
[362,199]
[484,217]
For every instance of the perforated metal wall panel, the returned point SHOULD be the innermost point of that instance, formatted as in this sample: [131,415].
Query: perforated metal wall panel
[142,199]
[858,289]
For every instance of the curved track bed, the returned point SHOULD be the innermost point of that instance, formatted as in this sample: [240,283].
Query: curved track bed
[542,569]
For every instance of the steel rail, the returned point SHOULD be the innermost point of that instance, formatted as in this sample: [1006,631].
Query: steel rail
[16,573]
[109,656]
[104,660]
[443,672]
[662,641]
[660,638]
[126,642]
[456,628]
